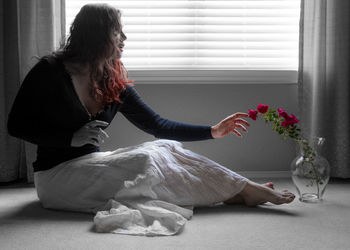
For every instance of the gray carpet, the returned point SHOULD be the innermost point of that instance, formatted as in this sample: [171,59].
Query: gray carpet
[24,224]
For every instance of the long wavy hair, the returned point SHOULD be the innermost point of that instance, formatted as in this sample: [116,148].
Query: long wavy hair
[90,43]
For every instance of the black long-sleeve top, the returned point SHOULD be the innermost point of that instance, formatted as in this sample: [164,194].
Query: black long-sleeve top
[47,111]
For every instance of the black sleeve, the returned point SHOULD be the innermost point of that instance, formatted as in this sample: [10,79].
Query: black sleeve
[29,118]
[142,116]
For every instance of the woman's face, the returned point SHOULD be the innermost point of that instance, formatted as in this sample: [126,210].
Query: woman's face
[118,37]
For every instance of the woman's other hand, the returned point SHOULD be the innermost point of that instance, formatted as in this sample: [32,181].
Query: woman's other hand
[230,125]
[90,133]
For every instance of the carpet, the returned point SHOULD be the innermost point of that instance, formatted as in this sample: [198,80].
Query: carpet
[24,224]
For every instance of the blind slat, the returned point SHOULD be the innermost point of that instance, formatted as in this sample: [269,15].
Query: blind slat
[213,29]
[213,45]
[211,53]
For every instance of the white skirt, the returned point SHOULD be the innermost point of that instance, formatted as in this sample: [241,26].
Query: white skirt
[149,189]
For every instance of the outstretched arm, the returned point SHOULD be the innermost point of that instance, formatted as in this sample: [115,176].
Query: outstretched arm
[143,117]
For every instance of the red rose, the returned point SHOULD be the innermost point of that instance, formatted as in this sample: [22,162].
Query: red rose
[289,120]
[262,108]
[282,113]
[293,119]
[253,114]
[285,123]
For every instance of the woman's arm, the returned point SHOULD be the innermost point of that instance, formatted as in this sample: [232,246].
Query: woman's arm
[142,116]
[28,118]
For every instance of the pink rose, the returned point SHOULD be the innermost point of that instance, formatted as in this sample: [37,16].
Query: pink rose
[262,108]
[253,114]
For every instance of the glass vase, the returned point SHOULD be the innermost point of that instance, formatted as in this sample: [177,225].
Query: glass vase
[310,170]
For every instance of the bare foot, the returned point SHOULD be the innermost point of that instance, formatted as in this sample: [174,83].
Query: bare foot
[255,194]
[238,199]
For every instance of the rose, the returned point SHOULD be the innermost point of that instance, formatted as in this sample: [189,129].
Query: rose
[285,125]
[282,123]
[282,113]
[253,114]
[289,120]
[262,108]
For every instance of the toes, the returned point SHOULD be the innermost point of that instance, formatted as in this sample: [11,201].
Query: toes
[288,197]
[284,197]
[283,200]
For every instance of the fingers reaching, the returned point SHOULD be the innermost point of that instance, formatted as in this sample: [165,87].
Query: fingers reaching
[239,123]
[242,121]
[240,126]
[240,114]
[234,131]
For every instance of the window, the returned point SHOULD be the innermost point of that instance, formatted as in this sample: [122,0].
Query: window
[248,40]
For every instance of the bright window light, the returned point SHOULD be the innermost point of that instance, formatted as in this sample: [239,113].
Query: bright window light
[202,35]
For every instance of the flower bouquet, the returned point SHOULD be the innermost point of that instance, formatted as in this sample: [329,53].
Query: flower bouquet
[309,169]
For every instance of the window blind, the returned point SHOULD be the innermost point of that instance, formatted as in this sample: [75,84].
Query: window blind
[202,35]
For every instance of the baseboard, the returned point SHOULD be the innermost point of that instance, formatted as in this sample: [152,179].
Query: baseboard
[265,174]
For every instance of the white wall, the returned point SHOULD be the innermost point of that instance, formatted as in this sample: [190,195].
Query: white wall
[206,104]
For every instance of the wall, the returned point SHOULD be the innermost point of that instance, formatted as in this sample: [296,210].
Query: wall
[206,104]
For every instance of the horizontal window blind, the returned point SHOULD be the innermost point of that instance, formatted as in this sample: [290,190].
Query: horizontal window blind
[199,34]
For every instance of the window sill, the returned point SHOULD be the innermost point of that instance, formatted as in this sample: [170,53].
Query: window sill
[214,76]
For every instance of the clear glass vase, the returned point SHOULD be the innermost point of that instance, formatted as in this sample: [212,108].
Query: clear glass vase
[310,170]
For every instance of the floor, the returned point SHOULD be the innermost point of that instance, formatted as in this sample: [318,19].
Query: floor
[24,224]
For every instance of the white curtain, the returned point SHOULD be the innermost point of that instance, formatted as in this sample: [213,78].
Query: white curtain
[324,80]
[32,28]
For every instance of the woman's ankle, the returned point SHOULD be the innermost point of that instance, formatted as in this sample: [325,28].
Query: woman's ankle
[248,189]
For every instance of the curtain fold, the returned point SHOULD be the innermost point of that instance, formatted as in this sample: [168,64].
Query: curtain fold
[32,28]
[324,81]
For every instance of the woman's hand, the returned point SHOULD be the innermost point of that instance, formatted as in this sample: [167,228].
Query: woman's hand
[90,133]
[230,125]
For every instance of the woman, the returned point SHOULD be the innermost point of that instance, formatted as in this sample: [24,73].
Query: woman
[69,98]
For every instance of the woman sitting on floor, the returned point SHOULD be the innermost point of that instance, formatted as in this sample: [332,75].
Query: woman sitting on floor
[69,98]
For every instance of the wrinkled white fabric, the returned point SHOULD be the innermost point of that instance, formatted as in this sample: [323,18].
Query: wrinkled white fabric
[149,189]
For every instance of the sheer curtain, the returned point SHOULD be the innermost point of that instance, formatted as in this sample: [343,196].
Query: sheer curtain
[32,28]
[324,81]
